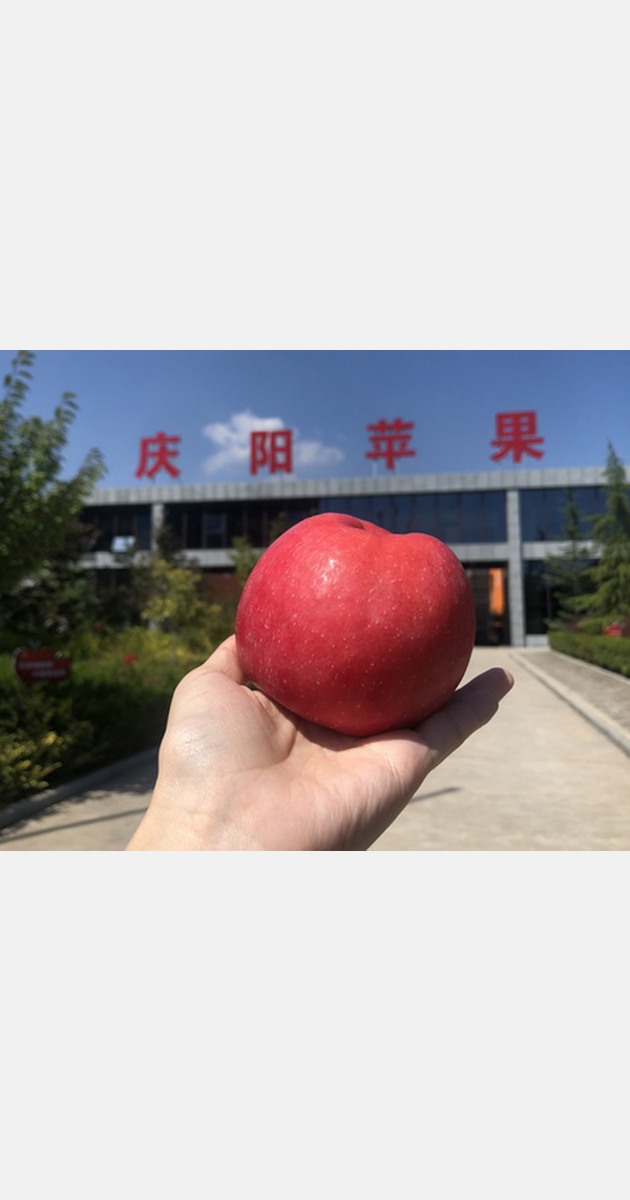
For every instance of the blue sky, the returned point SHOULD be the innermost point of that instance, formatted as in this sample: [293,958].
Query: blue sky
[212,400]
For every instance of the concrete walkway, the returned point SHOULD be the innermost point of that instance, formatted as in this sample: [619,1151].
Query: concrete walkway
[101,817]
[551,772]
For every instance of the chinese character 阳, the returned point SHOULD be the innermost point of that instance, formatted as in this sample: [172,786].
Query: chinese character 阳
[390,440]
[272,449]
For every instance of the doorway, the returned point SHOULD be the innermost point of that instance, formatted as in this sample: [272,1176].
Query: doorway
[490,593]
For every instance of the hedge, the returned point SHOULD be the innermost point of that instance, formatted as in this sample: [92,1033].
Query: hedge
[613,653]
[51,733]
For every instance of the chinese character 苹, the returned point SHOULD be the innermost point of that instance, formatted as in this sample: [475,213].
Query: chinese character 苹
[516,435]
[390,440]
[156,454]
[272,449]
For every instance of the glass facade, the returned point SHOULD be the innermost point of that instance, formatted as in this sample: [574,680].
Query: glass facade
[451,516]
[207,526]
[540,607]
[455,517]
[489,585]
[542,598]
[120,521]
[475,520]
[543,511]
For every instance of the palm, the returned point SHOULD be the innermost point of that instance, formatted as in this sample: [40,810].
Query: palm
[256,777]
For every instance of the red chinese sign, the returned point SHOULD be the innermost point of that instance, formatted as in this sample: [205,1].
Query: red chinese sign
[390,440]
[156,454]
[272,449]
[516,435]
[40,664]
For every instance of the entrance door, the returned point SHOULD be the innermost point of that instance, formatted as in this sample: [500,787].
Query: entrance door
[489,588]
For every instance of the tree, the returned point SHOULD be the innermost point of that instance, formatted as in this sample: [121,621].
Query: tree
[172,595]
[61,597]
[172,600]
[277,526]
[37,507]
[244,558]
[609,596]
[169,546]
[565,573]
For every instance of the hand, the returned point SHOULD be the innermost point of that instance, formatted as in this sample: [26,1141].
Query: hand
[238,772]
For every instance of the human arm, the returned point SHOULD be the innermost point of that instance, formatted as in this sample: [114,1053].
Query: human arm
[238,772]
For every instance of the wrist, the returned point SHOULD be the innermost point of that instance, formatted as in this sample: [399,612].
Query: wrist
[170,824]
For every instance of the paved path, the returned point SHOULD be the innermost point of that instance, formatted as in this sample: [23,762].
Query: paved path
[99,818]
[541,776]
[601,695]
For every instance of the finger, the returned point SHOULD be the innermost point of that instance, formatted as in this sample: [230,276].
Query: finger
[469,709]
[225,661]
[223,664]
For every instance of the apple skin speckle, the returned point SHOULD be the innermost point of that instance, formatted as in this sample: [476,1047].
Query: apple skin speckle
[355,628]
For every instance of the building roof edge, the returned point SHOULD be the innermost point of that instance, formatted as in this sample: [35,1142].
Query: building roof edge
[269,489]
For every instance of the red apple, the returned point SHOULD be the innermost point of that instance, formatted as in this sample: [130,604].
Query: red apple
[356,628]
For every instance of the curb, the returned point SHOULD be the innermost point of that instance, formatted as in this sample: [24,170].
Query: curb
[22,810]
[606,725]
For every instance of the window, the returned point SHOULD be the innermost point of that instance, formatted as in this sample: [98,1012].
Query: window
[214,530]
[115,522]
[539,601]
[543,516]
[450,516]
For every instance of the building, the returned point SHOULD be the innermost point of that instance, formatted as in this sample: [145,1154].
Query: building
[502,525]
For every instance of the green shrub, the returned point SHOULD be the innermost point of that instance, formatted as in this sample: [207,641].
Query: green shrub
[39,732]
[115,703]
[613,653]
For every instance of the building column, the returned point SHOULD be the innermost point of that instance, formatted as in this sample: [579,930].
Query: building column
[157,521]
[515,568]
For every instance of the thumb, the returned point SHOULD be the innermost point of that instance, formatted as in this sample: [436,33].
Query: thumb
[469,709]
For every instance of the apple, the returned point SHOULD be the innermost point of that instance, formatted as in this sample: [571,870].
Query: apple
[356,628]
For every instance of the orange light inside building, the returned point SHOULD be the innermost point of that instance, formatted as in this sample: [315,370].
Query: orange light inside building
[496,591]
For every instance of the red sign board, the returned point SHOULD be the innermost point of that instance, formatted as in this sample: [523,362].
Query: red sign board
[40,664]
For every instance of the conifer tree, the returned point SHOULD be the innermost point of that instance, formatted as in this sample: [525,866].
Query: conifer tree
[566,573]
[608,597]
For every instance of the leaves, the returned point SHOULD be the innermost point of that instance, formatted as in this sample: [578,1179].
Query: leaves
[37,507]
[609,595]
[566,573]
[244,558]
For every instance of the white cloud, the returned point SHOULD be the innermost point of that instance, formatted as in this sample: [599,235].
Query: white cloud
[231,443]
[315,454]
[231,439]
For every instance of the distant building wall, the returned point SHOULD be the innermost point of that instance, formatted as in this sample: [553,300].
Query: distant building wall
[510,518]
